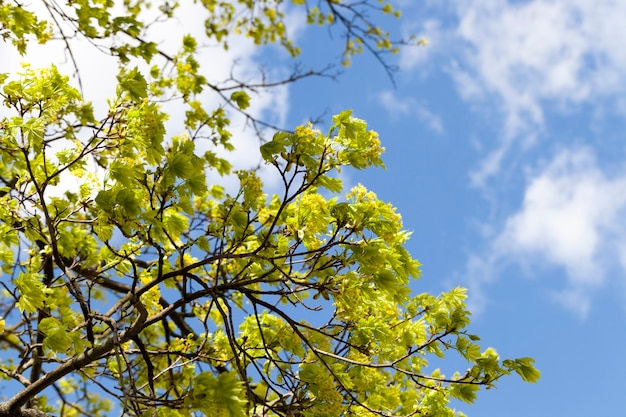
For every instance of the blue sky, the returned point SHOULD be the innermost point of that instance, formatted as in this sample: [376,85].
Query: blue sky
[506,157]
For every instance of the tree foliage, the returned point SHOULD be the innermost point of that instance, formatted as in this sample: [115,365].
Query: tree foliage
[152,290]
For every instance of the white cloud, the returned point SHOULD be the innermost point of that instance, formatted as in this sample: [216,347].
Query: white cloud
[242,60]
[523,53]
[490,165]
[572,217]
[410,107]
[567,210]
[523,57]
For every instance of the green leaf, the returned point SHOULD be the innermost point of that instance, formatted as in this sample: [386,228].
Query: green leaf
[134,83]
[57,337]
[241,98]
[189,43]
[175,223]
[32,291]
[106,199]
[180,165]
[223,395]
[128,202]
[122,173]
[525,368]
[334,185]
[275,147]
[464,392]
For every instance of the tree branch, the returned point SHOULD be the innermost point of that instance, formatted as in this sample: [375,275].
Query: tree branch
[78,362]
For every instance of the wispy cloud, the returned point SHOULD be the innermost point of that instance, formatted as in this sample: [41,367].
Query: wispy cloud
[571,218]
[414,58]
[520,59]
[410,107]
[524,57]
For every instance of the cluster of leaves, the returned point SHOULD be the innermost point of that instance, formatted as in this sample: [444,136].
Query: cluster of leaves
[149,288]
[17,23]
[207,288]
[262,21]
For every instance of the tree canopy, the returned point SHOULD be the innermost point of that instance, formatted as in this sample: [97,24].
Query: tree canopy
[154,289]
